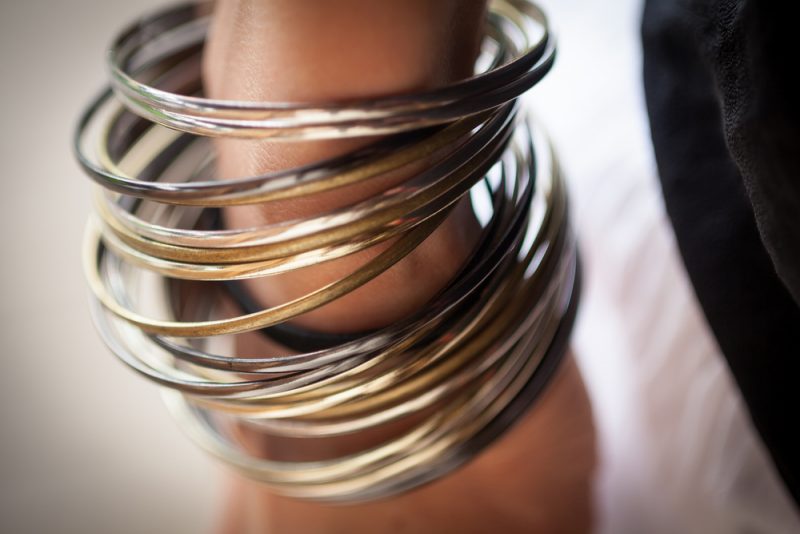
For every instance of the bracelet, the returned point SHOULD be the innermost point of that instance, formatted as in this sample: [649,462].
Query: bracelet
[454,375]
[520,22]
[292,337]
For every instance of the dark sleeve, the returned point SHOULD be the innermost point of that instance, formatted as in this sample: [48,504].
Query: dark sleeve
[727,143]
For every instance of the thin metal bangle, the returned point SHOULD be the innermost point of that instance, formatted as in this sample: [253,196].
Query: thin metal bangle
[428,192]
[226,192]
[489,261]
[365,397]
[458,372]
[406,396]
[197,425]
[296,121]
[336,490]
[93,251]
[369,162]
[231,364]
[556,323]
[451,193]
[206,271]
[545,261]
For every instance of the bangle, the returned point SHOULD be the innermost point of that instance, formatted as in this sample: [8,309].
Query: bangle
[292,337]
[454,375]
[521,23]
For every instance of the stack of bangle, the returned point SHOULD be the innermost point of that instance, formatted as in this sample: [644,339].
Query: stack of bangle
[453,376]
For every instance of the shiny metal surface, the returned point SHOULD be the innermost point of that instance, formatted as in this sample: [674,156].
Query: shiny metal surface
[456,373]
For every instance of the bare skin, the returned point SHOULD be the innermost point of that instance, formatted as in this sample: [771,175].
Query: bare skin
[537,478]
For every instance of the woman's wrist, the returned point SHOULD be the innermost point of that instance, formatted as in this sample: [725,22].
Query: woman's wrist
[538,476]
[322,51]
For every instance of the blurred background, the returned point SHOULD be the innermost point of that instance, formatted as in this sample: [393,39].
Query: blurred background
[86,446]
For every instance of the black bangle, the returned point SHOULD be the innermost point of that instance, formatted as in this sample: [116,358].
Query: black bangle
[290,336]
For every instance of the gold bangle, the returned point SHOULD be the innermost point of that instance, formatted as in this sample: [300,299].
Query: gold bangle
[457,372]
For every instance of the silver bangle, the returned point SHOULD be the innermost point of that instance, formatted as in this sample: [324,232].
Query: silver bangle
[460,371]
[523,25]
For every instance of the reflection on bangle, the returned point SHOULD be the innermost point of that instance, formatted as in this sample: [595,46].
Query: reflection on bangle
[456,374]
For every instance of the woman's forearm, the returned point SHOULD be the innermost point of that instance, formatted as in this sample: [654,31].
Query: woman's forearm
[319,51]
[536,478]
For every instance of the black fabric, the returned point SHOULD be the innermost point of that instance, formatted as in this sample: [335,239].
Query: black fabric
[726,134]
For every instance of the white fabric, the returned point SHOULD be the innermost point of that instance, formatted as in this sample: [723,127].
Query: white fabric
[678,452]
